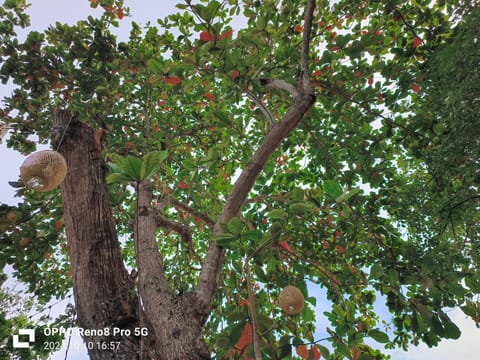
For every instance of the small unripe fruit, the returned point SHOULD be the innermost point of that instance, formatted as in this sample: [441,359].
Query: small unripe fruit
[291,300]
[25,241]
[11,217]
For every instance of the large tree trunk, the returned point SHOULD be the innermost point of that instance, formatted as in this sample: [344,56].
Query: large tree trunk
[103,291]
[106,297]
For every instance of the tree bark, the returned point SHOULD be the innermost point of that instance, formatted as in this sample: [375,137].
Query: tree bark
[174,318]
[105,296]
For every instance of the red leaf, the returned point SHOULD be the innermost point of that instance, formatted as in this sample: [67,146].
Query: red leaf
[416,42]
[303,352]
[235,74]
[416,88]
[173,80]
[206,36]
[129,145]
[58,224]
[316,353]
[244,302]
[226,34]
[245,339]
[298,28]
[182,185]
[341,249]
[317,73]
[370,80]
[287,247]
[120,13]
[210,96]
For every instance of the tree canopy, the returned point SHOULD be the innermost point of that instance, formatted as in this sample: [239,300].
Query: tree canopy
[354,122]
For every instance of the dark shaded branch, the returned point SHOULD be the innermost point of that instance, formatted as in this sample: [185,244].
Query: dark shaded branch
[183,230]
[192,211]
[306,37]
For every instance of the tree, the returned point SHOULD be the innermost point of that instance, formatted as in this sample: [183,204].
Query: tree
[210,167]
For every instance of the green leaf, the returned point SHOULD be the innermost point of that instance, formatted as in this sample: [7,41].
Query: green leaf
[347,195]
[132,167]
[451,330]
[235,226]
[300,207]
[224,240]
[376,271]
[118,178]
[332,188]
[151,162]
[155,66]
[378,336]
[278,214]
[16,184]
[324,351]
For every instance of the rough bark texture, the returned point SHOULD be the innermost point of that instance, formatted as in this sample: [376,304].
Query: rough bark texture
[174,318]
[104,294]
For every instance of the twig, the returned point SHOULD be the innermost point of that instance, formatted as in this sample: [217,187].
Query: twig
[252,311]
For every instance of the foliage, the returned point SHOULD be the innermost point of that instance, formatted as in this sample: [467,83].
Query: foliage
[341,205]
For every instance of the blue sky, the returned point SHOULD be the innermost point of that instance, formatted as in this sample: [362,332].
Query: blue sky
[46,12]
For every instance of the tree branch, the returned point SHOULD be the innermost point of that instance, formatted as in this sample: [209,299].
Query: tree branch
[183,230]
[279,85]
[211,269]
[263,108]
[149,260]
[306,37]
[192,211]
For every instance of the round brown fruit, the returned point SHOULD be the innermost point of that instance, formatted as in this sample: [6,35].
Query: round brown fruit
[43,170]
[11,217]
[291,300]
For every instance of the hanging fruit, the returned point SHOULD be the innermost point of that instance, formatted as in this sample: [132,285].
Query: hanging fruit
[43,170]
[291,300]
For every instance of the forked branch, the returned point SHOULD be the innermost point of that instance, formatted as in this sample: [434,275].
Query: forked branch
[211,269]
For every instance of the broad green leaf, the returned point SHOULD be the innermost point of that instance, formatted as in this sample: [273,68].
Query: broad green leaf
[118,178]
[378,336]
[132,167]
[300,207]
[225,240]
[376,271]
[235,226]
[348,195]
[332,188]
[151,162]
[155,66]
[278,214]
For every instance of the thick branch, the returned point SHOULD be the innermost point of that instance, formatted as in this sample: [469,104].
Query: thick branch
[208,280]
[183,230]
[149,260]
